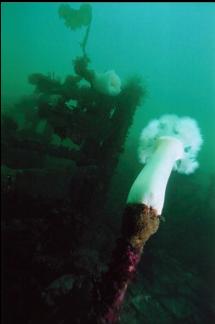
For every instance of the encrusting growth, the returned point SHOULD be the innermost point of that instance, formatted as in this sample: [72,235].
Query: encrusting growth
[139,223]
[107,83]
[77,18]
[166,144]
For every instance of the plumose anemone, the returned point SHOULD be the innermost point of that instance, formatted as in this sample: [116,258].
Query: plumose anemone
[165,144]
[107,83]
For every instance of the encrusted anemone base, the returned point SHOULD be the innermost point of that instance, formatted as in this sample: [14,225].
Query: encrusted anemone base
[139,223]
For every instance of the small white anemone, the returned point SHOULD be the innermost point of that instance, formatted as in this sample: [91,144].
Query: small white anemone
[107,83]
[71,104]
[167,143]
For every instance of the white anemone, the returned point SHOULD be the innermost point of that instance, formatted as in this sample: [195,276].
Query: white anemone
[166,144]
[107,83]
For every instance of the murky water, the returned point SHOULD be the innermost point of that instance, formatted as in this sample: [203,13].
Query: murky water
[65,138]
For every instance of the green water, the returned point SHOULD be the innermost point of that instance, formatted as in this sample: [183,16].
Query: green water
[171,46]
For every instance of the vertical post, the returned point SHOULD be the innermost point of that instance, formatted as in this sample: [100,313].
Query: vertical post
[139,223]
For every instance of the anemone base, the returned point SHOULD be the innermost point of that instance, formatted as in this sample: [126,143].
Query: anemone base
[139,223]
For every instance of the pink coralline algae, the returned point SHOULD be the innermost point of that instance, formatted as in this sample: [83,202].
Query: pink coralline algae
[115,282]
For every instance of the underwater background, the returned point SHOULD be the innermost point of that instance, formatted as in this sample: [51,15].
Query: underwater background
[52,243]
